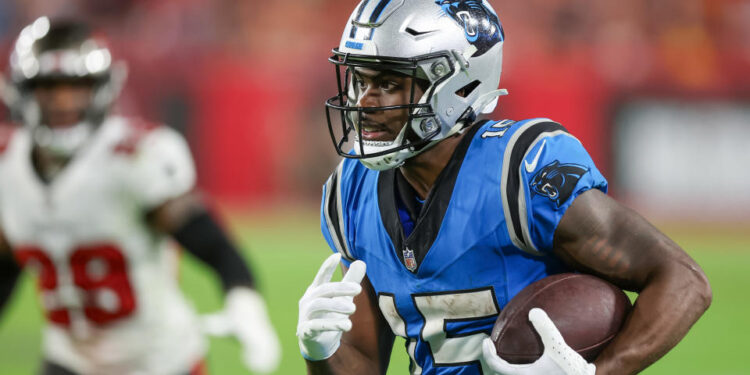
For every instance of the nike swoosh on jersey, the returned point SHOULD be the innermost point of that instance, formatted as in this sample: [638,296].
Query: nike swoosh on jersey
[530,167]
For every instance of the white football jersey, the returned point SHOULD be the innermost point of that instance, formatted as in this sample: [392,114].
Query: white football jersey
[107,281]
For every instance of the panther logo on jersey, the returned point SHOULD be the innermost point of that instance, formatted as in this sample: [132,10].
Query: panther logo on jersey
[481,26]
[556,181]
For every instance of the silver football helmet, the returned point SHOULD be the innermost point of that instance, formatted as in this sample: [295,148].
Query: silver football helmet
[61,51]
[456,46]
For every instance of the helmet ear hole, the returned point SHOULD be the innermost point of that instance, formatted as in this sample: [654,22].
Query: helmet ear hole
[468,89]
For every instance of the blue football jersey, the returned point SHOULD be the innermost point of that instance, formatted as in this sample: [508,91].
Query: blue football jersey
[484,233]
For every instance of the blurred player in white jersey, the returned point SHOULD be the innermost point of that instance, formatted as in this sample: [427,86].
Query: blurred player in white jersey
[88,202]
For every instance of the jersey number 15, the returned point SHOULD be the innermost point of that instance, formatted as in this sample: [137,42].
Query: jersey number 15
[453,325]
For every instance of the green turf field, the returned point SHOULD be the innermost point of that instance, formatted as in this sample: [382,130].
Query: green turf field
[286,249]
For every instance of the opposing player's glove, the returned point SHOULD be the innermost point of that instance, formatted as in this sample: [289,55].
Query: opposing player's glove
[558,358]
[325,308]
[245,317]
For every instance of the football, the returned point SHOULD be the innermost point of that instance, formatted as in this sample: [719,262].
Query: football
[587,311]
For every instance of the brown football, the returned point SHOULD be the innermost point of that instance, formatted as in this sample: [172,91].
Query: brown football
[587,310]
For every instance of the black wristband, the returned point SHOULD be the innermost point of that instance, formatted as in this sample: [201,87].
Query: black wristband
[9,272]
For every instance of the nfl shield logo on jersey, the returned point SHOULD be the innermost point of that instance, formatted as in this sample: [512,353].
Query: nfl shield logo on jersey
[409,260]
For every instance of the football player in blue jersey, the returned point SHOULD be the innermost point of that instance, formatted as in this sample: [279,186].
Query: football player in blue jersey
[453,214]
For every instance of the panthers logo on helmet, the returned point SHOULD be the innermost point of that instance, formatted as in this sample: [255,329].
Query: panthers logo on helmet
[556,181]
[481,26]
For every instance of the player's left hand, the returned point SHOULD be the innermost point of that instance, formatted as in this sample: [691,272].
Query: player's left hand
[245,317]
[558,358]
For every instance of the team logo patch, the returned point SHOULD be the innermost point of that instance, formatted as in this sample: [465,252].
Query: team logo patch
[481,26]
[409,260]
[556,181]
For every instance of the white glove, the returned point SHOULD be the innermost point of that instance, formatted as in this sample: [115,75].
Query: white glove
[558,357]
[325,308]
[245,317]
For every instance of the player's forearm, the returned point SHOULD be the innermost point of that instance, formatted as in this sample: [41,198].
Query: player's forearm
[668,306]
[191,224]
[202,236]
[346,360]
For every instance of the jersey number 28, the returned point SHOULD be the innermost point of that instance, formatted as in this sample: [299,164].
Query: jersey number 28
[99,273]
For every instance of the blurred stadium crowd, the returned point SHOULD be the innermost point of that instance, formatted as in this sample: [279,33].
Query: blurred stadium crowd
[246,80]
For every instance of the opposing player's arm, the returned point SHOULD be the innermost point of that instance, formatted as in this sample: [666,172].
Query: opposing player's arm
[366,348]
[597,235]
[245,315]
[188,221]
[163,183]
[9,271]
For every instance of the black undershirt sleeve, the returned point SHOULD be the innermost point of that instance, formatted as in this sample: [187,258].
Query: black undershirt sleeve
[201,236]
[9,272]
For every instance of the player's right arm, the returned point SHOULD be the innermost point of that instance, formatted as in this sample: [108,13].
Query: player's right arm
[600,236]
[163,181]
[564,211]
[9,271]
[341,330]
